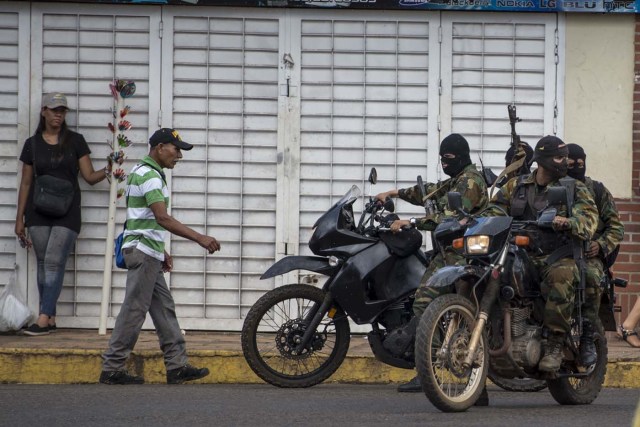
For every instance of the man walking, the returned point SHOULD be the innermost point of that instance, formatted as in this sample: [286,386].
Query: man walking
[143,248]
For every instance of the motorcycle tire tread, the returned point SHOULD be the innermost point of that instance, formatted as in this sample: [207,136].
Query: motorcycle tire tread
[429,383]
[252,354]
[563,390]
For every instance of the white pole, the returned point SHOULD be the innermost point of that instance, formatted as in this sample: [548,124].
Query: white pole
[111,226]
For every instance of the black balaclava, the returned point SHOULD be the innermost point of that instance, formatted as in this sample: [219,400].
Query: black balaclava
[458,146]
[546,149]
[526,166]
[577,153]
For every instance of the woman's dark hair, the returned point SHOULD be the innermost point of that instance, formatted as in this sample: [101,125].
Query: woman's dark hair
[63,136]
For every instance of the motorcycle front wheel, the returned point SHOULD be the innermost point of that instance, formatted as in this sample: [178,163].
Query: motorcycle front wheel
[442,343]
[275,325]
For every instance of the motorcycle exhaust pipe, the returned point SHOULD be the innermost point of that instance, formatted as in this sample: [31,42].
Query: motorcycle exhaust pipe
[507,336]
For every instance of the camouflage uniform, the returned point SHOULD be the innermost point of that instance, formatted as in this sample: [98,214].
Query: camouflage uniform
[473,189]
[559,278]
[608,235]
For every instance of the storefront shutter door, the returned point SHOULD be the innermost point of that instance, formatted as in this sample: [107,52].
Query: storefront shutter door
[80,52]
[368,99]
[221,83]
[14,120]
[495,60]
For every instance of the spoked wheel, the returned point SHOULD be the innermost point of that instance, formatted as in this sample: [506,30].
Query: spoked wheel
[442,343]
[517,384]
[582,391]
[273,329]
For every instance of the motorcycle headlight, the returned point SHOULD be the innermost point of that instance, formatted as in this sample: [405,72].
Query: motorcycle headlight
[477,245]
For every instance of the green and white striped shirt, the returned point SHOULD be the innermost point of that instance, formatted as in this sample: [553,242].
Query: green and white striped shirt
[146,185]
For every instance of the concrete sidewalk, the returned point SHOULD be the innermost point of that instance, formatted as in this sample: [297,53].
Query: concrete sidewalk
[70,356]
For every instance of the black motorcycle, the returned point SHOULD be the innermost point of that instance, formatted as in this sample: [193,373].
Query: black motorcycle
[493,320]
[298,335]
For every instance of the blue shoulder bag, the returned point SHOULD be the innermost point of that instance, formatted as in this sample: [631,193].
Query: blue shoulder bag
[118,249]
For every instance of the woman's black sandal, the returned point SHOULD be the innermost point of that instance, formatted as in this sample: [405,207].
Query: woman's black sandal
[626,333]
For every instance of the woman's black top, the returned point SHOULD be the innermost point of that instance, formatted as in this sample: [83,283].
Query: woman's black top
[59,162]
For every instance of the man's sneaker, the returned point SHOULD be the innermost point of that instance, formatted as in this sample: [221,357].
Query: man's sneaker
[552,356]
[413,386]
[186,373]
[35,330]
[119,377]
[53,328]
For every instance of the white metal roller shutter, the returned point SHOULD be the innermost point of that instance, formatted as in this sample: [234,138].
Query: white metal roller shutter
[224,99]
[81,52]
[368,98]
[14,118]
[494,60]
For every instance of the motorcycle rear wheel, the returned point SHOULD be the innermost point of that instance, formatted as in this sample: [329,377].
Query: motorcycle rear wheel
[582,391]
[442,341]
[517,384]
[272,329]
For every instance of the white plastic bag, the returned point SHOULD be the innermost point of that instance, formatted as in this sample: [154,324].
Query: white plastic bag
[14,313]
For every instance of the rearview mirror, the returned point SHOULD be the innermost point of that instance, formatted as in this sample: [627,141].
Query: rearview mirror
[545,218]
[454,201]
[556,196]
[389,206]
[373,176]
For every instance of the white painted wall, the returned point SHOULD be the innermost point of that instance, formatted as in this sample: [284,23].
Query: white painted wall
[599,95]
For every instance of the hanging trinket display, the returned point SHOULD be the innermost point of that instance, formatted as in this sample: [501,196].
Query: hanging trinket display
[120,90]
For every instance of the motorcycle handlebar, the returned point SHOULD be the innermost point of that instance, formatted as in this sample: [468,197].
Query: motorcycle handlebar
[538,224]
[405,227]
[373,206]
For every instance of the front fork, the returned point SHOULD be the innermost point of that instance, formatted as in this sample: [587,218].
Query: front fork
[313,319]
[488,298]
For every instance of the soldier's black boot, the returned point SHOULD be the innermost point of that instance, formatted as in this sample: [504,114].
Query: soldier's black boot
[483,400]
[401,340]
[588,352]
[413,386]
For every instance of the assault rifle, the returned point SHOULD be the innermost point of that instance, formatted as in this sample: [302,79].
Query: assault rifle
[513,119]
[516,159]
[577,247]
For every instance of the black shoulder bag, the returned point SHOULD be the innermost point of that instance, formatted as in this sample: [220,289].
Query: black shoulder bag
[51,196]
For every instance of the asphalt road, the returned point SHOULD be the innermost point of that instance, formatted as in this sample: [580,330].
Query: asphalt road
[264,405]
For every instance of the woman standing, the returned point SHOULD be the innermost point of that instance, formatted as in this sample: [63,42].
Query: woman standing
[57,151]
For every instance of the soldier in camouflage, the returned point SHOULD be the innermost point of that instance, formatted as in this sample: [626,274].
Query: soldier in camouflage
[523,197]
[601,251]
[466,180]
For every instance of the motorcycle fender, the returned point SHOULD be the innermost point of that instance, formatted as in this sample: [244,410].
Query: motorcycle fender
[449,275]
[312,263]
